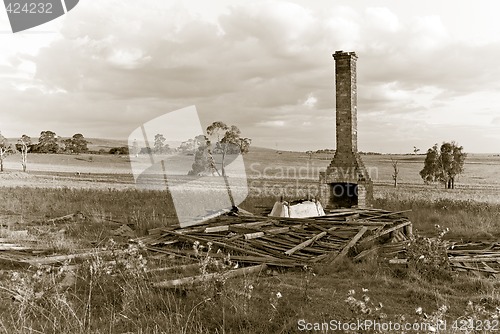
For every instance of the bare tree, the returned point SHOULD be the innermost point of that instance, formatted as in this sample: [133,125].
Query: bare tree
[24,143]
[395,172]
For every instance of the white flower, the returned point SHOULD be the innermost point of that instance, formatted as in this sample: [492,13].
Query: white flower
[351,292]
[364,290]
[278,295]
[418,310]
[421,257]
[443,308]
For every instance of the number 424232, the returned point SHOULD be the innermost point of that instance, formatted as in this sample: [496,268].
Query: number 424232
[476,325]
[29,8]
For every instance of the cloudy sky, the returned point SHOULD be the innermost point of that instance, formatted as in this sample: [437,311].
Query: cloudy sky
[428,71]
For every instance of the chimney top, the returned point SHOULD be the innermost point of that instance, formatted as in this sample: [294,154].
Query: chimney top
[341,54]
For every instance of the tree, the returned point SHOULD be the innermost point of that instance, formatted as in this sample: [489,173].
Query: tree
[25,145]
[244,145]
[124,150]
[79,143]
[202,156]
[229,141]
[430,172]
[395,173]
[452,160]
[76,144]
[443,164]
[5,149]
[47,143]
[68,145]
[159,145]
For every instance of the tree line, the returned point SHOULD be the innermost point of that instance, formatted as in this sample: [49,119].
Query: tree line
[48,142]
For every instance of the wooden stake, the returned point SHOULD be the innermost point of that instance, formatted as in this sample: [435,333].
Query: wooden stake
[204,278]
[351,243]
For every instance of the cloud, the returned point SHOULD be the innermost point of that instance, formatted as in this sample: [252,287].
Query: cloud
[383,19]
[265,66]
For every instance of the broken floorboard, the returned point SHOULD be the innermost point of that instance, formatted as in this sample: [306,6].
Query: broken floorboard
[282,241]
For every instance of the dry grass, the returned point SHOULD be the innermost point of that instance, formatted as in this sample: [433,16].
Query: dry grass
[121,299]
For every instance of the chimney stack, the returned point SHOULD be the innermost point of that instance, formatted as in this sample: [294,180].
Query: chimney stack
[346,182]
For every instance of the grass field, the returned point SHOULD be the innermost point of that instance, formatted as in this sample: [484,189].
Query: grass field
[272,302]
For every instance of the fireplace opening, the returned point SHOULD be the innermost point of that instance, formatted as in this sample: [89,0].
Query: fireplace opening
[343,195]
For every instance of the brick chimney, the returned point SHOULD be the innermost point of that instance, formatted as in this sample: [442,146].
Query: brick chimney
[346,182]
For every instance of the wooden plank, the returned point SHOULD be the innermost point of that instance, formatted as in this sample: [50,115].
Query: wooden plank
[203,278]
[365,253]
[71,217]
[80,256]
[474,259]
[352,217]
[221,228]
[351,243]
[218,243]
[309,241]
[253,235]
[241,258]
[9,247]
[473,269]
[388,214]
[384,232]
[175,268]
[277,230]
[398,261]
[490,270]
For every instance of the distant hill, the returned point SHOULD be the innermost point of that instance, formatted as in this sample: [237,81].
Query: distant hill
[101,143]
[95,143]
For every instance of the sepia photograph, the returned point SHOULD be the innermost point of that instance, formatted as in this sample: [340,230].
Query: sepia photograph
[268,166]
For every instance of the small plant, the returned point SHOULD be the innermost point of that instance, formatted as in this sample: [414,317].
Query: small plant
[363,306]
[427,256]
[274,301]
[211,265]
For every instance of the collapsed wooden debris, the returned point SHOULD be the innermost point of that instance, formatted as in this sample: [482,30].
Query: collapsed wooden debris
[255,242]
[478,258]
[74,217]
[284,241]
[481,259]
